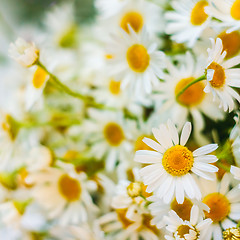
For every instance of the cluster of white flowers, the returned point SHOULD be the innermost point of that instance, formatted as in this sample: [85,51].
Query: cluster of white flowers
[90,124]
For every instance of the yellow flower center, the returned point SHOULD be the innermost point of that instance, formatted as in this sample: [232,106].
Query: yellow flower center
[198,15]
[138,58]
[219,206]
[136,189]
[109,56]
[192,95]
[146,223]
[140,145]
[178,160]
[121,213]
[11,127]
[114,87]
[219,75]
[235,10]
[69,188]
[231,42]
[185,229]
[183,210]
[39,77]
[113,134]
[231,234]
[134,19]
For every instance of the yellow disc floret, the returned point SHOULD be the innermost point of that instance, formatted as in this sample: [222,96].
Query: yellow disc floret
[219,77]
[114,87]
[69,188]
[178,160]
[39,77]
[134,19]
[193,95]
[219,206]
[198,15]
[231,43]
[235,10]
[183,210]
[113,134]
[138,58]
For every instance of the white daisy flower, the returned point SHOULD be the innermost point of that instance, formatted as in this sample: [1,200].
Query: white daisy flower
[119,227]
[187,21]
[221,76]
[136,62]
[159,209]
[193,100]
[63,193]
[224,205]
[109,136]
[171,164]
[228,11]
[136,13]
[194,229]
[24,53]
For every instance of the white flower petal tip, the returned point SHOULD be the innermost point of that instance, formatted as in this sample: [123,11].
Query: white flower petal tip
[205,149]
[25,53]
[235,172]
[187,128]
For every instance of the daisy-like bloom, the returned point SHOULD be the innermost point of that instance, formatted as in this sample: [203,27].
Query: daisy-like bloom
[63,193]
[224,205]
[136,62]
[109,135]
[171,164]
[159,209]
[187,21]
[119,227]
[24,53]
[136,13]
[194,229]
[228,11]
[193,100]
[36,86]
[221,76]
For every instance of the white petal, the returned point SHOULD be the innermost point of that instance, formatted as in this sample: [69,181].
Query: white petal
[205,150]
[185,133]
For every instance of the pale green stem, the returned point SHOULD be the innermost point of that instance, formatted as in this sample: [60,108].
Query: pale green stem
[203,77]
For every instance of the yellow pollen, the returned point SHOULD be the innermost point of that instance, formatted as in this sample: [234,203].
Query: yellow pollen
[140,145]
[219,75]
[39,77]
[121,213]
[134,19]
[69,188]
[182,230]
[192,95]
[231,43]
[114,87]
[219,206]
[138,58]
[235,10]
[136,189]
[198,15]
[178,160]
[183,210]
[113,134]
[231,234]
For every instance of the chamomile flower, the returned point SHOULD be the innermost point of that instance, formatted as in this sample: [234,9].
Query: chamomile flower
[63,193]
[193,101]
[224,205]
[136,62]
[228,11]
[194,229]
[159,209]
[24,53]
[221,76]
[187,21]
[171,164]
[108,133]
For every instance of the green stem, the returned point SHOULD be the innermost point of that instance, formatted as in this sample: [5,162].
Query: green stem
[89,101]
[220,165]
[190,84]
[238,225]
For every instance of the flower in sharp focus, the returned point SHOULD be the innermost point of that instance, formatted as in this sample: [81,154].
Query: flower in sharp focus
[171,164]
[231,234]
[221,76]
[24,53]
[136,62]
[194,229]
